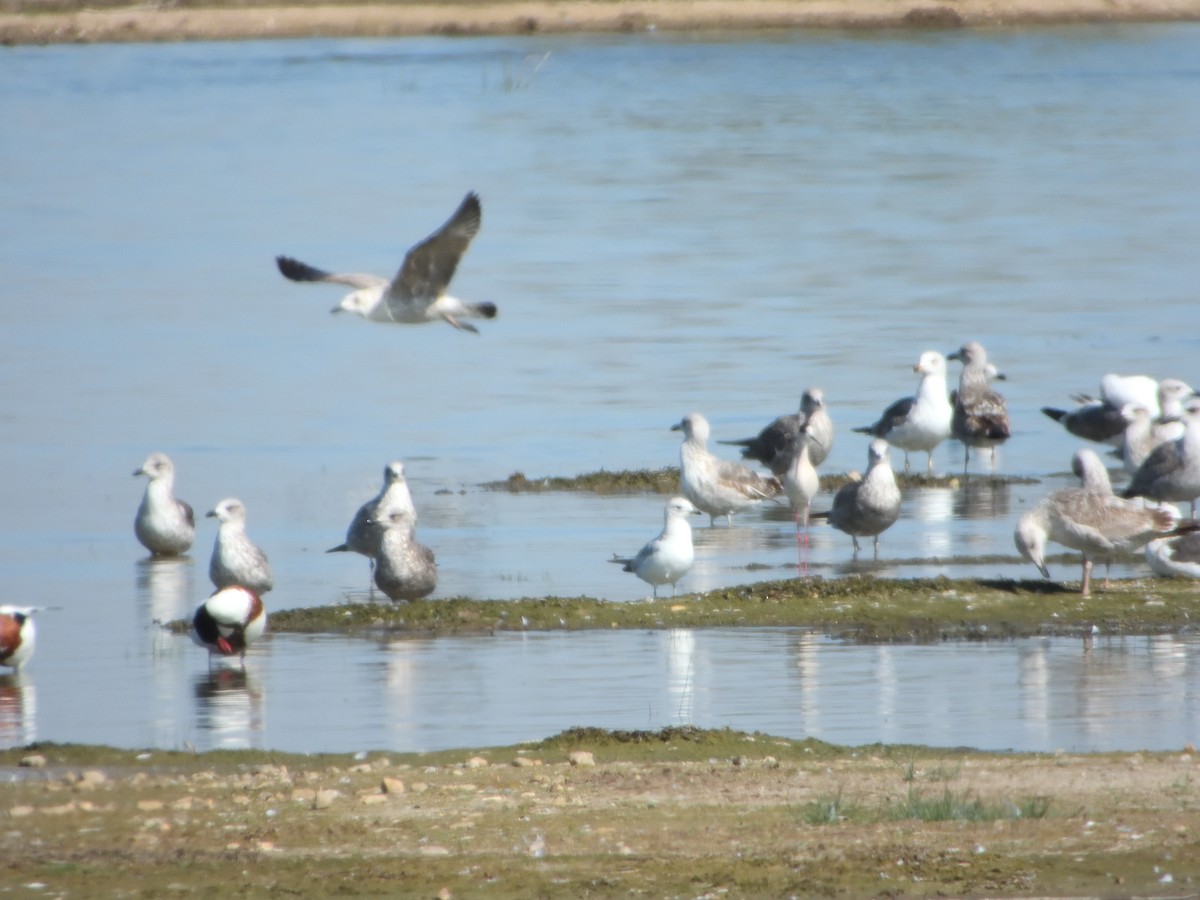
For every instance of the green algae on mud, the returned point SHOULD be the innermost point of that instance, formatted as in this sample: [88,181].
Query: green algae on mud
[856,608]
[666,481]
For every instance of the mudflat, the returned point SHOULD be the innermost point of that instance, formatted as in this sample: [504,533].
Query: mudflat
[66,21]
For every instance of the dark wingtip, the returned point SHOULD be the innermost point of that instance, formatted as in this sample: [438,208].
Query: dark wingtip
[295,270]
[340,548]
[488,310]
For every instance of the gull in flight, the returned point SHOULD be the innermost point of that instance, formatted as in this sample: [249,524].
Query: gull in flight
[418,292]
[668,557]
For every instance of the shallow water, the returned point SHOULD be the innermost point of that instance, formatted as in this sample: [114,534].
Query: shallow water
[670,224]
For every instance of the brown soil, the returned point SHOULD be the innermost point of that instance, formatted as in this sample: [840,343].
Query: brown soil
[65,21]
[679,813]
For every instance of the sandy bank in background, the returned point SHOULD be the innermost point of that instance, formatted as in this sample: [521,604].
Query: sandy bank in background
[45,21]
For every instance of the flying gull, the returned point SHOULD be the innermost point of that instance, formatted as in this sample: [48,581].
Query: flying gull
[716,486]
[923,421]
[418,292]
[666,558]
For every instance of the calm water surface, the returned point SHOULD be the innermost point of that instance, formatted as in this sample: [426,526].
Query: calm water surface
[670,224]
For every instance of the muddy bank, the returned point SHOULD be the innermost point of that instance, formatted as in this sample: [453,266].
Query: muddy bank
[681,812]
[62,21]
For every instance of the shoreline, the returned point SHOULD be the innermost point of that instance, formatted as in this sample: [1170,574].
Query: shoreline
[38,22]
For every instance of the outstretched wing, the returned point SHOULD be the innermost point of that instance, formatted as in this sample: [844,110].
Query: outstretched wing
[429,266]
[298,271]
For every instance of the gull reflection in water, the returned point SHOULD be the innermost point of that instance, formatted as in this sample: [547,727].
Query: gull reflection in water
[806,649]
[982,498]
[681,674]
[229,708]
[18,711]
[934,509]
[163,588]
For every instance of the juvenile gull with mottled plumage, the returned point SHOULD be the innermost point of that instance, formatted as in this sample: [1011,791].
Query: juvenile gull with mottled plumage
[980,417]
[716,486]
[394,496]
[1092,520]
[164,525]
[775,446]
[418,292]
[870,506]
[404,568]
[237,560]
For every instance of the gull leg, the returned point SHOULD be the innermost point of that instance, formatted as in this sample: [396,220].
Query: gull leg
[929,464]
[1087,578]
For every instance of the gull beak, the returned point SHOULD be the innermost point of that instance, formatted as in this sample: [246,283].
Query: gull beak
[678,426]
[336,309]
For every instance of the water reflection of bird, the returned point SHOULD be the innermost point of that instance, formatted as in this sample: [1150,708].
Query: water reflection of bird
[666,558]
[775,446]
[920,422]
[237,560]
[18,710]
[230,706]
[1090,519]
[418,292]
[394,496]
[718,487]
[164,525]
[18,635]
[405,569]
[986,499]
[867,507]
[980,417]
[229,621]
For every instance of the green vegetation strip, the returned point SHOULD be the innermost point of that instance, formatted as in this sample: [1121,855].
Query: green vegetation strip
[666,481]
[857,608]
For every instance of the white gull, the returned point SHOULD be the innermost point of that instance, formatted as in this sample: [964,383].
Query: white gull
[164,525]
[666,558]
[718,487]
[418,292]
[801,483]
[920,422]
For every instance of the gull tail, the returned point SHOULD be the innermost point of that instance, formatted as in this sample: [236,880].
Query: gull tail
[1056,414]
[627,563]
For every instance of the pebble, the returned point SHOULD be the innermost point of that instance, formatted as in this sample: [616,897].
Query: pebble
[325,798]
[18,812]
[582,758]
[304,795]
[476,762]
[149,805]
[434,850]
[33,761]
[392,786]
[522,762]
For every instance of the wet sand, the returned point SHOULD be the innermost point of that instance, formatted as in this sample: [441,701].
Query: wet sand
[54,21]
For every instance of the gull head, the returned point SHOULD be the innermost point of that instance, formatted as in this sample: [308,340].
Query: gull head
[694,427]
[361,302]
[812,400]
[930,363]
[394,472]
[228,510]
[680,508]
[1030,538]
[970,352]
[157,465]
[878,453]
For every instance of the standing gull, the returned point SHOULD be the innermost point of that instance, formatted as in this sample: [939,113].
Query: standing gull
[717,487]
[237,560]
[404,568]
[668,557]
[165,526]
[229,621]
[394,496]
[775,446]
[980,418]
[1171,472]
[921,422]
[1100,419]
[867,508]
[418,292]
[1092,520]
[801,484]
[18,635]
